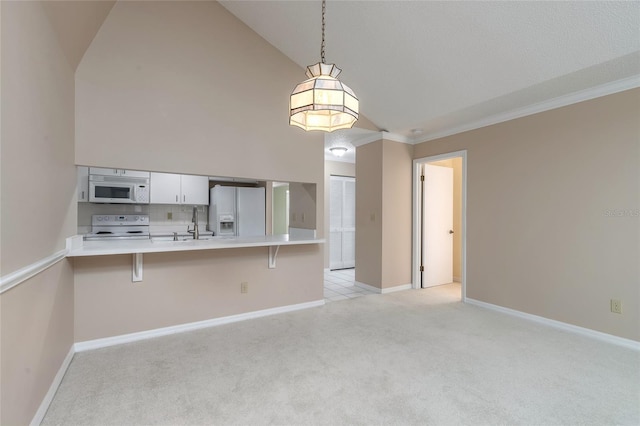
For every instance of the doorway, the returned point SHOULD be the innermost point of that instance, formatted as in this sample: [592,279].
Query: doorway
[439,221]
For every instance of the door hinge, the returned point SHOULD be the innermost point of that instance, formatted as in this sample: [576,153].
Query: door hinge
[422,178]
[421,268]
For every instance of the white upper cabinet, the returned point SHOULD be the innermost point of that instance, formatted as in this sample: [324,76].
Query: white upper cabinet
[195,189]
[118,172]
[165,188]
[169,188]
[83,184]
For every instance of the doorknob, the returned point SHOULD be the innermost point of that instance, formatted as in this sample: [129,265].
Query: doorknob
[451,231]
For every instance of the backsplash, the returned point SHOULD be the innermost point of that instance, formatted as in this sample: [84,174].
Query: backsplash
[163,218]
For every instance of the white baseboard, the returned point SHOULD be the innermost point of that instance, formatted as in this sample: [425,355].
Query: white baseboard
[46,401]
[383,290]
[367,287]
[396,288]
[598,335]
[158,332]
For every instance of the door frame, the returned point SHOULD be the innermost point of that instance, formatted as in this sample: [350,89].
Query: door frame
[417,203]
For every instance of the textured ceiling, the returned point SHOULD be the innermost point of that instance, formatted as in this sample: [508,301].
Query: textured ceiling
[438,66]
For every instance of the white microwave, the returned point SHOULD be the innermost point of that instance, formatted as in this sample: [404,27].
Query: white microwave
[118,189]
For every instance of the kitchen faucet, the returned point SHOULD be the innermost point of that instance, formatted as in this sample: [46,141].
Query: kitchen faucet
[194,219]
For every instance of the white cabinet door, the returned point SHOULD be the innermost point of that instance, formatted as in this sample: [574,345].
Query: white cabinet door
[83,183]
[118,172]
[195,190]
[104,171]
[133,173]
[165,188]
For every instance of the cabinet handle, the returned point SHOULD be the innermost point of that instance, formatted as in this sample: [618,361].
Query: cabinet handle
[82,197]
[184,198]
[176,198]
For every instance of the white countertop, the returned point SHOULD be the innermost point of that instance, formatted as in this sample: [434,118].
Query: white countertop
[102,248]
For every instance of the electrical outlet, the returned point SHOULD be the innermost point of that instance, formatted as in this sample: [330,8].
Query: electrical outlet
[244,287]
[616,306]
[169,215]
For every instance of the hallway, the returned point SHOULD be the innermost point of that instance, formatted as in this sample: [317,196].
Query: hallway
[340,285]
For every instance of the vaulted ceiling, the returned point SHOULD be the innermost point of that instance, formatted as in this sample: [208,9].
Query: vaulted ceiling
[425,69]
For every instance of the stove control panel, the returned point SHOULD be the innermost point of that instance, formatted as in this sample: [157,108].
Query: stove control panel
[122,219]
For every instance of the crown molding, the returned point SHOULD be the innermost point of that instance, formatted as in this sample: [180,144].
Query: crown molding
[373,137]
[561,101]
[388,136]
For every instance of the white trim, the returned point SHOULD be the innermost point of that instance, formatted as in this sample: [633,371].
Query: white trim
[396,138]
[417,201]
[396,288]
[165,331]
[561,101]
[382,290]
[46,401]
[374,137]
[367,287]
[14,278]
[75,242]
[382,135]
[587,332]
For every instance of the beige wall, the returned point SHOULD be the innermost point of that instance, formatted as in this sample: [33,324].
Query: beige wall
[383,214]
[333,168]
[37,176]
[456,165]
[183,287]
[37,139]
[396,213]
[37,334]
[543,197]
[186,87]
[368,214]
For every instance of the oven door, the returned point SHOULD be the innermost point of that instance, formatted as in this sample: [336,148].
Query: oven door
[111,192]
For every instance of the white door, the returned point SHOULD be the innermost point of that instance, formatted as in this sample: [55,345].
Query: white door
[437,238]
[342,222]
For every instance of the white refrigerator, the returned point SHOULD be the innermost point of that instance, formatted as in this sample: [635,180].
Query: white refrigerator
[237,211]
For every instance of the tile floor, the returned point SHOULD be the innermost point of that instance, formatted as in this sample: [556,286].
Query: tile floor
[340,285]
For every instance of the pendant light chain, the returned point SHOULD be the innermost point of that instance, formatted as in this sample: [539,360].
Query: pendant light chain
[322,45]
[322,102]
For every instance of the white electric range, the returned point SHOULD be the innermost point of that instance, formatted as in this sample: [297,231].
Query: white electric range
[119,227]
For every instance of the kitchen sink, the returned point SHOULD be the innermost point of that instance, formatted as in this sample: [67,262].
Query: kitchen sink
[181,239]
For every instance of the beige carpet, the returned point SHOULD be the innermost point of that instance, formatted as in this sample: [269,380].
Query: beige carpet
[413,357]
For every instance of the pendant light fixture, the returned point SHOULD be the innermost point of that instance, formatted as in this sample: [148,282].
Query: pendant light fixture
[323,102]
